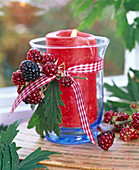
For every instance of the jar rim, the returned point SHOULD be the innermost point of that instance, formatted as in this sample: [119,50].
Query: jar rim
[41,43]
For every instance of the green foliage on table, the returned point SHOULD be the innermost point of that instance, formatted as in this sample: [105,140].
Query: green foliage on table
[47,116]
[9,159]
[125,95]
[90,10]
[3,127]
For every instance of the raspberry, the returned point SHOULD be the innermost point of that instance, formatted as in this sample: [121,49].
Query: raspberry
[50,69]
[135,120]
[48,57]
[33,98]
[66,81]
[108,115]
[17,78]
[105,139]
[30,70]
[127,134]
[34,55]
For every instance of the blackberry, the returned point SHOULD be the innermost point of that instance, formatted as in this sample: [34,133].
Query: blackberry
[66,81]
[33,98]
[135,120]
[50,69]
[34,55]
[48,57]
[17,78]
[105,139]
[127,134]
[30,70]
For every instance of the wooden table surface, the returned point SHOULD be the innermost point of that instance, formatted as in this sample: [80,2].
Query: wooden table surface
[122,155]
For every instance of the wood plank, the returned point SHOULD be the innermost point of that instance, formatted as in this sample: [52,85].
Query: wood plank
[122,155]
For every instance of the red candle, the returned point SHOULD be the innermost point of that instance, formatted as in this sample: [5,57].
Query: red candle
[75,56]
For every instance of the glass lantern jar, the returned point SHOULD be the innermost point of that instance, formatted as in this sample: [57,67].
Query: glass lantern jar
[83,50]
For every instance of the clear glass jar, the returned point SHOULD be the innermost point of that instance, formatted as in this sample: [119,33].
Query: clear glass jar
[92,88]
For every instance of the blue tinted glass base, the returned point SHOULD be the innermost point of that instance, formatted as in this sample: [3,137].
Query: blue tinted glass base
[72,136]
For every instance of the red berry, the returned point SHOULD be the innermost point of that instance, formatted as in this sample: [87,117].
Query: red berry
[48,57]
[34,55]
[17,78]
[66,81]
[121,117]
[105,139]
[108,115]
[135,120]
[50,69]
[128,134]
[33,98]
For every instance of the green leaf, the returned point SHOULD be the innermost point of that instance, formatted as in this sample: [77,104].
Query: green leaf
[117,92]
[3,127]
[130,112]
[131,5]
[34,167]
[38,120]
[121,25]
[51,106]
[32,106]
[31,160]
[120,104]
[133,88]
[85,5]
[11,132]
[90,19]
[117,5]
[14,156]
[82,25]
[17,148]
[109,106]
[136,73]
[0,159]
[137,34]
[48,115]
[6,160]
[129,93]
[36,117]
[78,2]
[130,37]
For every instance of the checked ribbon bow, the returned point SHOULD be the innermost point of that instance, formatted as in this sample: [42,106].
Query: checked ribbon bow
[42,80]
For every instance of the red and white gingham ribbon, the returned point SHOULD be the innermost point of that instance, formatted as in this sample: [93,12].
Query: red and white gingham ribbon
[41,81]
[86,68]
[82,112]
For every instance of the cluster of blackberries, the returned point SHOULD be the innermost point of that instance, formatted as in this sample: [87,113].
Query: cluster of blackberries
[30,70]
